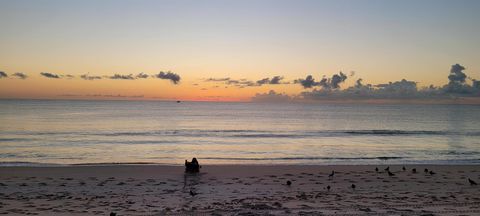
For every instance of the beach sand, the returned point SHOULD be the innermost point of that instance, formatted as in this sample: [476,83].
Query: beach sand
[239,190]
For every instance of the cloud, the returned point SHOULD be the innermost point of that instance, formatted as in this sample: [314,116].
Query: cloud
[337,79]
[327,83]
[3,74]
[116,76]
[142,76]
[276,80]
[271,96]
[457,84]
[263,81]
[476,84]
[217,79]
[273,81]
[456,74]
[88,77]
[175,78]
[122,77]
[232,82]
[242,83]
[50,75]
[397,90]
[402,89]
[20,75]
[308,82]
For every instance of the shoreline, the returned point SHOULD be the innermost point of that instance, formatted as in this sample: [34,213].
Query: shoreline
[235,189]
[333,163]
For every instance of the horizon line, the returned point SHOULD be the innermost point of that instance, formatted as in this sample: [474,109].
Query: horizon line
[360,101]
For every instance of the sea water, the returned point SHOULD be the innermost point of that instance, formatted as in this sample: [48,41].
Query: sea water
[64,132]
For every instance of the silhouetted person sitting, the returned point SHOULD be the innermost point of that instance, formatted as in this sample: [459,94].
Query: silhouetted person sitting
[192,167]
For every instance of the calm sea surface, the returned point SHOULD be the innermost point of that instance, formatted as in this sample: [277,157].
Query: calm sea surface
[73,132]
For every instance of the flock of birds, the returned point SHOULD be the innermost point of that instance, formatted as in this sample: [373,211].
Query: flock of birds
[353,186]
[414,170]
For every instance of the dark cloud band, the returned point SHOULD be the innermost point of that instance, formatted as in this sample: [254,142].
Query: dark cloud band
[242,83]
[3,74]
[173,77]
[328,83]
[20,75]
[89,77]
[50,75]
[403,89]
[122,77]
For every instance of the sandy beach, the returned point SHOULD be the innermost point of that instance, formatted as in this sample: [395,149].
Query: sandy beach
[239,190]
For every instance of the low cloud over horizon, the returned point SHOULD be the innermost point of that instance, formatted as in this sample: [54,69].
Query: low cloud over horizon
[89,77]
[242,83]
[272,96]
[459,85]
[329,89]
[173,77]
[326,83]
[122,77]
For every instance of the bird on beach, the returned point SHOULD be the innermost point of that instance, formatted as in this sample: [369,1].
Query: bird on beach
[387,169]
[472,182]
[390,173]
[289,183]
[403,168]
[192,193]
[328,187]
[414,170]
[353,186]
[331,174]
[425,170]
[376,169]
[431,172]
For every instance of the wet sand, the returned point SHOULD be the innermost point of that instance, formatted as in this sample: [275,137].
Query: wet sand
[239,190]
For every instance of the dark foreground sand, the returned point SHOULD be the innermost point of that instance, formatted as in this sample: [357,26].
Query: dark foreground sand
[238,190]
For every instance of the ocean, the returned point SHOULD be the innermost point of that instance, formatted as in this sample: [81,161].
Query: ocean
[66,132]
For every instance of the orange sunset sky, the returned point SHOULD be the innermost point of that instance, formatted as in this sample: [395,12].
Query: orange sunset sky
[381,41]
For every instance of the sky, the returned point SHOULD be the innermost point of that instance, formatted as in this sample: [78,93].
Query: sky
[220,49]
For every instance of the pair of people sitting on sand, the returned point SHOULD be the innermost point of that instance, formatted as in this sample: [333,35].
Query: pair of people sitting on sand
[192,167]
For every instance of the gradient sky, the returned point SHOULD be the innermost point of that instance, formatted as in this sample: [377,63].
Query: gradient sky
[250,39]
